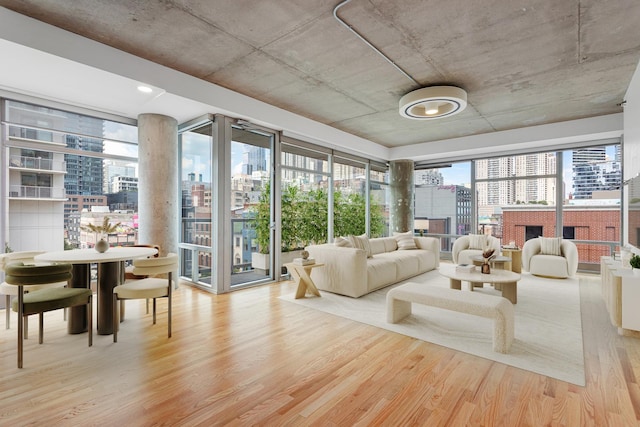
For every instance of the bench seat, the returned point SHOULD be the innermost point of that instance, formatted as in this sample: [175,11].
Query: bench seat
[499,309]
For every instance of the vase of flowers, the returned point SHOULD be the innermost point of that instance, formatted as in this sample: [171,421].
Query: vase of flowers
[487,254]
[101,230]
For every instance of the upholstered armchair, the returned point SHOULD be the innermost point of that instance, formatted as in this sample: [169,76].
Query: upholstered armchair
[550,257]
[466,247]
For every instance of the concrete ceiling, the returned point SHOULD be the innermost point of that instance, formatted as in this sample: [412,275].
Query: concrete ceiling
[523,63]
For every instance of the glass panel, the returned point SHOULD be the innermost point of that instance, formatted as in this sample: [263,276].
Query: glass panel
[592,182]
[516,193]
[349,208]
[79,187]
[196,222]
[304,209]
[251,216]
[41,123]
[379,205]
[443,202]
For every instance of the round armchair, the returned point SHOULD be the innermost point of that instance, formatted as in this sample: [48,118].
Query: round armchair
[466,247]
[550,257]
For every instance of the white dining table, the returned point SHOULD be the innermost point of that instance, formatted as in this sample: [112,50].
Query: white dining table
[110,274]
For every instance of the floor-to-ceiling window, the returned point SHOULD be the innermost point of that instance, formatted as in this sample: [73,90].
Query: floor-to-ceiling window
[443,202]
[196,225]
[591,212]
[66,170]
[574,194]
[305,176]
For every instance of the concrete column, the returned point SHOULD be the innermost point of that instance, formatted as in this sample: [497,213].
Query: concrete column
[402,190]
[158,186]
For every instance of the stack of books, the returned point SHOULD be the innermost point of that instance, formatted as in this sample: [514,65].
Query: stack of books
[465,268]
[301,261]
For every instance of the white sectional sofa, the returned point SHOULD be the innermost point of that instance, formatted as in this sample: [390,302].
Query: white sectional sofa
[348,270]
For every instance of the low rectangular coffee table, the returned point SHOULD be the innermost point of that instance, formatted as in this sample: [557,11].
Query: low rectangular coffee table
[506,278]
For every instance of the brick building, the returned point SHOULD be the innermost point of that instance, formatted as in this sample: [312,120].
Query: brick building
[599,223]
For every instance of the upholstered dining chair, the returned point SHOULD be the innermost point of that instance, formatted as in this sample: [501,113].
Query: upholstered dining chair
[20,275]
[9,291]
[128,275]
[148,288]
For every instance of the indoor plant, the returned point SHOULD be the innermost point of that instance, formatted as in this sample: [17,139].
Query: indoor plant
[634,262]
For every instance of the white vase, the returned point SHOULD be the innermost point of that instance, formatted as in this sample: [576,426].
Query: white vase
[635,271]
[102,246]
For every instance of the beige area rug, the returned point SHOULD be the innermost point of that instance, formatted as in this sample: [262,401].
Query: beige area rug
[548,326]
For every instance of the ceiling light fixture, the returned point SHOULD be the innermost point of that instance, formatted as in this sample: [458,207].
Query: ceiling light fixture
[145,89]
[433,102]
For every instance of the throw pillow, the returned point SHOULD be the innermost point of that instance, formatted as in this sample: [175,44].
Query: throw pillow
[550,245]
[362,242]
[405,241]
[477,241]
[342,242]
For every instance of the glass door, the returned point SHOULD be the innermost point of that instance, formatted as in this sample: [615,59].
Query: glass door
[252,211]
[196,224]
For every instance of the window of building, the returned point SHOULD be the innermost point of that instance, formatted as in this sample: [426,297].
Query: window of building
[568,232]
[532,232]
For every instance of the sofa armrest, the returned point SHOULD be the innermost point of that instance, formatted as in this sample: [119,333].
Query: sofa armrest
[431,244]
[344,271]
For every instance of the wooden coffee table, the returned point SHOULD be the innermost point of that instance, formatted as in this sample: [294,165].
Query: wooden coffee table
[507,279]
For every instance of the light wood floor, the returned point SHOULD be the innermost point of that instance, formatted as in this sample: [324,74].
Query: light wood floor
[248,358]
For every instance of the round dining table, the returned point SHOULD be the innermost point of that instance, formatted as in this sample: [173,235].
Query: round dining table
[110,274]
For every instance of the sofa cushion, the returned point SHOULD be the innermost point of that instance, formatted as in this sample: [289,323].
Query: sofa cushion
[549,266]
[477,241]
[381,271]
[550,246]
[342,242]
[405,241]
[406,262]
[361,242]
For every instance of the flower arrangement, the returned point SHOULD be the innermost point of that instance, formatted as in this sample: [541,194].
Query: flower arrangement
[634,262]
[105,228]
[487,254]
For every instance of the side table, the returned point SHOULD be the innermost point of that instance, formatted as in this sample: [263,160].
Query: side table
[302,276]
[516,258]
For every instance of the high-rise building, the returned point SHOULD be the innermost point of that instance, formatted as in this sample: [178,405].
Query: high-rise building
[592,171]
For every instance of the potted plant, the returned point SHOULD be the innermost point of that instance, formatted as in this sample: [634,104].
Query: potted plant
[105,229]
[634,262]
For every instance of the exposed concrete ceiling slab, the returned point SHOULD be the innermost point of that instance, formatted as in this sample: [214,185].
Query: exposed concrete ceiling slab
[523,63]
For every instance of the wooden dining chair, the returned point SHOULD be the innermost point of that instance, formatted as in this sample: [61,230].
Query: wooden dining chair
[148,288]
[20,275]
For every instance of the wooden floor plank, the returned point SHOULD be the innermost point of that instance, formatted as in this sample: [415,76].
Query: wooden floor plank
[249,358]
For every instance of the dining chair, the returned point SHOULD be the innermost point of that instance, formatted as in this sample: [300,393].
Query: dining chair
[20,275]
[149,287]
[9,291]
[128,275]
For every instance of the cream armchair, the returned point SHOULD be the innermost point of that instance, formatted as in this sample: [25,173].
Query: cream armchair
[462,252]
[536,262]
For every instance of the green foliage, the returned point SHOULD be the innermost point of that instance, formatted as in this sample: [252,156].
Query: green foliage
[635,261]
[304,217]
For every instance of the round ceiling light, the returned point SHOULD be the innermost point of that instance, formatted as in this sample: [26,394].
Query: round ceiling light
[433,102]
